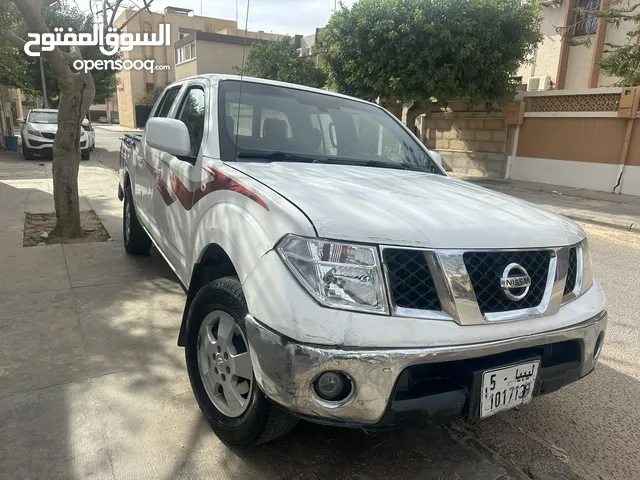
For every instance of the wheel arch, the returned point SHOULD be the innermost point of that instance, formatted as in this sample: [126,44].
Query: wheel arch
[214,262]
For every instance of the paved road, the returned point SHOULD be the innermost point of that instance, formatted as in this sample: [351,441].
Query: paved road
[592,428]
[92,384]
[107,151]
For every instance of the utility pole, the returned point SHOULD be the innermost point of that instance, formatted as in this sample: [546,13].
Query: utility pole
[44,85]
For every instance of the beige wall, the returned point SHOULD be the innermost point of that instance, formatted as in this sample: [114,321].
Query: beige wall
[545,61]
[187,69]
[579,66]
[577,139]
[214,57]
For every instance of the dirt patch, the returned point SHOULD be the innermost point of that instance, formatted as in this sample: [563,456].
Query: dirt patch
[38,227]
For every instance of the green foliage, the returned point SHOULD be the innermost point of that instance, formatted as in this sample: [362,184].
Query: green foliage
[622,61]
[279,60]
[20,71]
[414,50]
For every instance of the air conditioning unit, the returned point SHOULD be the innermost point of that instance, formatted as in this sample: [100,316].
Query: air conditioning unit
[539,84]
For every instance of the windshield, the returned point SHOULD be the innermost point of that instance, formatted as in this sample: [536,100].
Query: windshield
[295,123]
[43,117]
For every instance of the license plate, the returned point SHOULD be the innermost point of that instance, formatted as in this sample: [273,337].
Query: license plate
[505,388]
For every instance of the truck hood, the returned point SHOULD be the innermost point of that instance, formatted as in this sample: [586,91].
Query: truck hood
[400,207]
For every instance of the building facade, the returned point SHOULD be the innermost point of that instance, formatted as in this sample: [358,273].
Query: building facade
[573,66]
[134,86]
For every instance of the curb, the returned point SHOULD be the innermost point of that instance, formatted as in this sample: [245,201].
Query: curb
[617,224]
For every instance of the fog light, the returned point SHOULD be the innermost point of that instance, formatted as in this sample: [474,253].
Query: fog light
[330,385]
[598,348]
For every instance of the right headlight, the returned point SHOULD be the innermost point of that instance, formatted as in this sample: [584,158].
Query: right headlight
[34,132]
[338,275]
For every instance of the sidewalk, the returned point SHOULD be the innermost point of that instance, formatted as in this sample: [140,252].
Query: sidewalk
[607,209]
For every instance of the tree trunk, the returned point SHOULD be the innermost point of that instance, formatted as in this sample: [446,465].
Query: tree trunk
[75,99]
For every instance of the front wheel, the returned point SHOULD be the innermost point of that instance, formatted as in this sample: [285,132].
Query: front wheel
[221,372]
[26,152]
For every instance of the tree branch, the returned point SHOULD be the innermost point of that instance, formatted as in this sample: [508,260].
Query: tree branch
[31,12]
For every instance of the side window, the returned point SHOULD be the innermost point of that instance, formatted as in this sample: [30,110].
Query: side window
[192,114]
[166,102]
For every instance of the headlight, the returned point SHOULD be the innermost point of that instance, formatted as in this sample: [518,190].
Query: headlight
[338,275]
[34,132]
[587,269]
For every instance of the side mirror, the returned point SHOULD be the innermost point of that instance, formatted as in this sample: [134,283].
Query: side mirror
[168,135]
[20,121]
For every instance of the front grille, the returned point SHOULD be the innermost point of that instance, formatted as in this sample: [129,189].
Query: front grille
[410,279]
[486,268]
[50,136]
[572,273]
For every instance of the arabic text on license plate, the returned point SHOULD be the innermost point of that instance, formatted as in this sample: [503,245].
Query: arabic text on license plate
[505,388]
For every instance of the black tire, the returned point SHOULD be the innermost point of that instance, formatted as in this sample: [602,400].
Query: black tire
[136,242]
[263,421]
[85,154]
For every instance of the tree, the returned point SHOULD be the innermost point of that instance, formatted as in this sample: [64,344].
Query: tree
[77,91]
[279,60]
[622,61]
[29,79]
[415,51]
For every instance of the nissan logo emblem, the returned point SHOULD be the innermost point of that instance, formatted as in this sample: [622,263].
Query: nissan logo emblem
[515,282]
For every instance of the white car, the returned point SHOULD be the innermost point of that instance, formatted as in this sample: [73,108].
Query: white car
[39,132]
[91,133]
[335,273]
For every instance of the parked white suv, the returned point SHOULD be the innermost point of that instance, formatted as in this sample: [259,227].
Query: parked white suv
[39,132]
[336,274]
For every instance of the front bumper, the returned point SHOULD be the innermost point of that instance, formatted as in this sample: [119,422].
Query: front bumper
[417,385]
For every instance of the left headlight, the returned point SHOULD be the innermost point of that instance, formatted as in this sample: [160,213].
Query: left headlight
[587,267]
[34,132]
[337,275]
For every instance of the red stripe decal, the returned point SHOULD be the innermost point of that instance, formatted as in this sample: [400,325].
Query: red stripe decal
[164,192]
[188,199]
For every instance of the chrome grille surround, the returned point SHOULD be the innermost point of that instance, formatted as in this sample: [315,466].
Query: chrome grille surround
[457,296]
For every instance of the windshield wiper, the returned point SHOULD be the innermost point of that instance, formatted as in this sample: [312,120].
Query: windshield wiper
[367,163]
[277,157]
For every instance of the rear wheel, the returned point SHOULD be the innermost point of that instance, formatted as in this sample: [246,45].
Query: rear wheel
[136,240]
[220,369]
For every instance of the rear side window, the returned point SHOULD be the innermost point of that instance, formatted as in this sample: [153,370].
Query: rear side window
[166,102]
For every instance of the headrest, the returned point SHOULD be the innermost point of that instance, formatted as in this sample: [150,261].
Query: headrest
[274,128]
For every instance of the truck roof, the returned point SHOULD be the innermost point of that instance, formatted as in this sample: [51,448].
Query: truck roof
[218,77]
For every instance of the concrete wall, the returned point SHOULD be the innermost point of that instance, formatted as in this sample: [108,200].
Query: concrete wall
[471,143]
[579,143]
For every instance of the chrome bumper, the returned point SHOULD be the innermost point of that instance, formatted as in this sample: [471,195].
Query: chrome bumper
[286,370]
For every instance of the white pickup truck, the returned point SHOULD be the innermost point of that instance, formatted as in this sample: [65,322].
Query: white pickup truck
[335,273]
